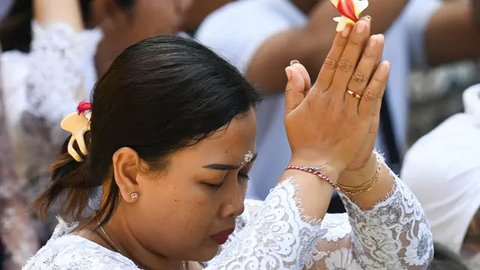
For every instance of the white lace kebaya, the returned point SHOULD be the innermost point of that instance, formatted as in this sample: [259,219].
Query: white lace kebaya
[273,234]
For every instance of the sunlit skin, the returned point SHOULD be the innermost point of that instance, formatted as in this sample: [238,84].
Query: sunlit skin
[198,195]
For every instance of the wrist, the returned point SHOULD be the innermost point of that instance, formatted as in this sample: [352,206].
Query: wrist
[325,167]
[358,175]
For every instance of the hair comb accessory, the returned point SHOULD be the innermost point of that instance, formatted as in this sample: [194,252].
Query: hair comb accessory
[350,11]
[78,124]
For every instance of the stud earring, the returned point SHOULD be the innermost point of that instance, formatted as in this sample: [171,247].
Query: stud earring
[134,196]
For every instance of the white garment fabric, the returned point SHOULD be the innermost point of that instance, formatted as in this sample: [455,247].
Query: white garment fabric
[443,170]
[238,29]
[273,234]
[39,89]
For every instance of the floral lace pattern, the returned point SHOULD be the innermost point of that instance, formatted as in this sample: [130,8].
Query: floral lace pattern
[69,251]
[394,234]
[273,235]
[275,238]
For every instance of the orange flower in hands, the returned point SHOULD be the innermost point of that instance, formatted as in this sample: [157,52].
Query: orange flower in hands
[350,11]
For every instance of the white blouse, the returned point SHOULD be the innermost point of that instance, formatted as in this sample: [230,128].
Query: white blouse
[273,234]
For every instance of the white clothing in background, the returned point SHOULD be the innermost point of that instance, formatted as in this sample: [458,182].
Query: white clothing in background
[443,170]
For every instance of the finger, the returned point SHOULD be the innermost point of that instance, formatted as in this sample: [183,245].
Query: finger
[351,55]
[368,63]
[363,73]
[373,94]
[303,71]
[327,71]
[374,127]
[295,89]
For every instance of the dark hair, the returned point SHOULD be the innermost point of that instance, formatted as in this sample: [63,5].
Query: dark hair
[160,95]
[16,27]
[444,259]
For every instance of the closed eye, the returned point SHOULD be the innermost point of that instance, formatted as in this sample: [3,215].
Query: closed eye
[214,186]
[243,177]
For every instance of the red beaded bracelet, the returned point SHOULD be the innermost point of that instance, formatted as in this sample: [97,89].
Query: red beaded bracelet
[312,170]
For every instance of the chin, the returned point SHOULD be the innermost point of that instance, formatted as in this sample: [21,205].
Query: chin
[206,253]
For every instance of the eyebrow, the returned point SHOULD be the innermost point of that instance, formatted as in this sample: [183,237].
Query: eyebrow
[226,167]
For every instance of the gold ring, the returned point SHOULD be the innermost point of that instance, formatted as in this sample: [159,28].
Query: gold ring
[354,94]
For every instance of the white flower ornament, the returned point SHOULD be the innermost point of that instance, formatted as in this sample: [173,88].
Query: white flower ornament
[77,124]
[350,11]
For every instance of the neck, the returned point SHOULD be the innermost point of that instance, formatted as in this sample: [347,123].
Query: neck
[122,237]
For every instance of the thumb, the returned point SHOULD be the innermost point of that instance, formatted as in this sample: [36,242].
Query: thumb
[295,89]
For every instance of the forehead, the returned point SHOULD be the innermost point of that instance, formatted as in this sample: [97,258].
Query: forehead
[239,135]
[227,145]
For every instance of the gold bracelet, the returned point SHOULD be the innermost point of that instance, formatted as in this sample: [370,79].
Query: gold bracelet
[365,187]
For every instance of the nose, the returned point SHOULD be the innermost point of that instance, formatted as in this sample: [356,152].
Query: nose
[234,201]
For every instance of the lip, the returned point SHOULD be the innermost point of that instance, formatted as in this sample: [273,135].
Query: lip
[221,237]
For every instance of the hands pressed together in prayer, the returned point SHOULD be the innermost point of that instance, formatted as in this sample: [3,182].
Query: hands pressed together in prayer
[333,124]
[335,121]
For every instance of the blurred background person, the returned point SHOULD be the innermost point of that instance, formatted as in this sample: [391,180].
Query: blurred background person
[252,35]
[18,240]
[443,170]
[52,63]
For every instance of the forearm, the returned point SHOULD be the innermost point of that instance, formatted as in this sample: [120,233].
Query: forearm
[312,193]
[379,190]
[397,222]
[50,11]
[453,23]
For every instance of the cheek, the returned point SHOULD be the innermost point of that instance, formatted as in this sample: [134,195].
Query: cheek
[176,220]
[185,212]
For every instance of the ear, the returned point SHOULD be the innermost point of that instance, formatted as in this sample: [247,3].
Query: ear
[126,166]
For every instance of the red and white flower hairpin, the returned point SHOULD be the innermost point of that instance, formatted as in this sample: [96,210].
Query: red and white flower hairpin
[78,124]
[350,11]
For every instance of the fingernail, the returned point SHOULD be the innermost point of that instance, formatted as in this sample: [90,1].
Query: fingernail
[293,62]
[366,18]
[385,66]
[345,32]
[359,27]
[289,73]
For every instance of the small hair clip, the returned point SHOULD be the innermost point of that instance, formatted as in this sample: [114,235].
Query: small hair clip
[78,124]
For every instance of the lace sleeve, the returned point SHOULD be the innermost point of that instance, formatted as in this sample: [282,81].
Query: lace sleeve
[394,234]
[278,237]
[60,72]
